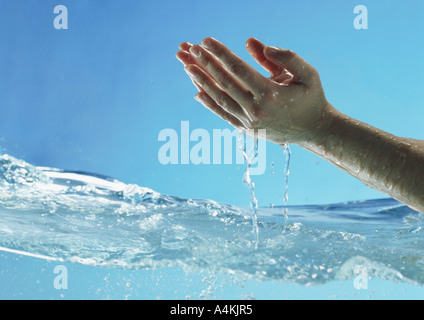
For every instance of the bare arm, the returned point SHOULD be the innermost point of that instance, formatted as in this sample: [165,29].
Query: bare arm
[292,107]
[390,164]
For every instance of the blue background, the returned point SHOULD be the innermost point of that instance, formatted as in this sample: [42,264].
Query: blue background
[95,97]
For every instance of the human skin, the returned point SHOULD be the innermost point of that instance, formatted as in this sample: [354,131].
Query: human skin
[292,107]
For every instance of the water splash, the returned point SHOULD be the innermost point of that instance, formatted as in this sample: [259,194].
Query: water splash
[94,220]
[250,158]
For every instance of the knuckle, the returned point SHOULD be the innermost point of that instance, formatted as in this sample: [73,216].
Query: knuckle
[221,101]
[237,68]
[205,61]
[201,81]
[217,52]
[225,81]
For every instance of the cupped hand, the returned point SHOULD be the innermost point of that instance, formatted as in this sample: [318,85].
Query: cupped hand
[290,104]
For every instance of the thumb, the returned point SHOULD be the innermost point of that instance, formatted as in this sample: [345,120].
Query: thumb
[291,61]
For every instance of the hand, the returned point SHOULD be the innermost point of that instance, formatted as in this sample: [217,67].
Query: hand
[289,105]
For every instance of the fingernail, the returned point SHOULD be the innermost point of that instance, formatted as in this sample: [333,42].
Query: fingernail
[271,50]
[195,51]
[207,43]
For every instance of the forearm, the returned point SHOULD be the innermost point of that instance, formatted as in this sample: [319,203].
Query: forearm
[390,164]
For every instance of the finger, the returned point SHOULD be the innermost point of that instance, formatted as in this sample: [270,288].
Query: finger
[256,50]
[248,76]
[185,58]
[291,61]
[185,46]
[221,97]
[225,80]
[210,104]
[196,85]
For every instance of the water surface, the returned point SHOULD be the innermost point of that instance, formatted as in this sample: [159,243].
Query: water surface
[98,221]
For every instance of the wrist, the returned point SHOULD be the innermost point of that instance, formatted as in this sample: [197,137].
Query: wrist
[320,132]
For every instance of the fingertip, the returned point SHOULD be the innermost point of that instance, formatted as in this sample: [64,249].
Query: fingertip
[209,42]
[195,50]
[185,46]
[254,47]
[178,55]
[184,57]
[253,42]
[248,41]
[198,98]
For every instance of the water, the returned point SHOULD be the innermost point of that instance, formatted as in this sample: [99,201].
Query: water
[287,156]
[90,220]
[250,156]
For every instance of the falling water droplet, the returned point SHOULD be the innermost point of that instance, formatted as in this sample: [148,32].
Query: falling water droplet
[250,158]
[287,155]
